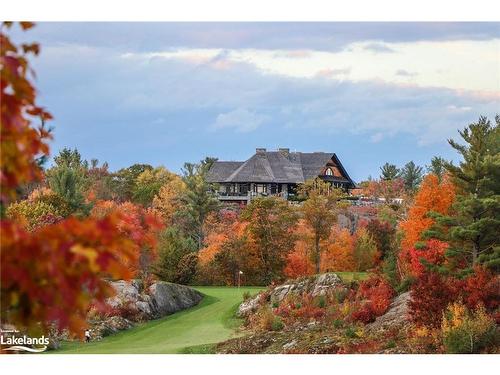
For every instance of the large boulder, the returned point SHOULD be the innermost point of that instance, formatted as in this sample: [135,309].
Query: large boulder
[396,316]
[314,285]
[167,298]
[156,301]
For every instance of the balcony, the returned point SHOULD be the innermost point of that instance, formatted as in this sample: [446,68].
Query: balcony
[237,196]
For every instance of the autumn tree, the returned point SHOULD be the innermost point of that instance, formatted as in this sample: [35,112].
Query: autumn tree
[339,252]
[299,261]
[433,196]
[50,275]
[319,212]
[472,226]
[100,181]
[227,251]
[365,251]
[168,201]
[270,226]
[124,181]
[141,225]
[33,214]
[148,184]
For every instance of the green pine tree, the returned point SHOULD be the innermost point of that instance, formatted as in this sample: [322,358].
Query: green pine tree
[473,228]
[389,172]
[437,167]
[412,176]
[199,198]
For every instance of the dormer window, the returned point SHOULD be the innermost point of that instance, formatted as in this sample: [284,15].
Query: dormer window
[329,172]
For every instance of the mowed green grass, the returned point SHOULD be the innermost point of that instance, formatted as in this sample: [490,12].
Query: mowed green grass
[353,276]
[193,330]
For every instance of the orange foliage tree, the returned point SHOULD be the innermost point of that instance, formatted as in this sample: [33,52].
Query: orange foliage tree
[21,143]
[141,225]
[53,274]
[298,262]
[339,253]
[433,196]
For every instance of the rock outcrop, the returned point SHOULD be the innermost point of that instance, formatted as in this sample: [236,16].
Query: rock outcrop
[156,301]
[314,285]
[133,303]
[396,316]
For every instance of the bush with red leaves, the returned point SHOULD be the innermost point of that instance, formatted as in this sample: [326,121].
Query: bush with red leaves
[430,295]
[482,287]
[376,295]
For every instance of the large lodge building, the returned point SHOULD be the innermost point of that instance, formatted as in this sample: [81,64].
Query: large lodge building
[275,173]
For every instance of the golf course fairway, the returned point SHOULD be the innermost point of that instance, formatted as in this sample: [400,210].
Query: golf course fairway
[211,321]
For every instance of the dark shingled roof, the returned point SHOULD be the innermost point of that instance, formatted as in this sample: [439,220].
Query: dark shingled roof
[275,167]
[221,170]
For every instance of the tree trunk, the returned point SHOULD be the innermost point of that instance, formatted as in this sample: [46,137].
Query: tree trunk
[475,252]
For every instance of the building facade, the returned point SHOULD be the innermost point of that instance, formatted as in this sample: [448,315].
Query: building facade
[275,173]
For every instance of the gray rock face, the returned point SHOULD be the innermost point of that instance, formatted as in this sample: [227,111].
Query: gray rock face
[109,326]
[395,317]
[315,286]
[249,306]
[160,299]
[169,298]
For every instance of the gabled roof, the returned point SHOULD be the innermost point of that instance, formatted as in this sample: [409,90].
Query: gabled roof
[276,167]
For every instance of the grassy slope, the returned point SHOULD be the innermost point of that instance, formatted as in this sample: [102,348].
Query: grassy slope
[191,330]
[351,276]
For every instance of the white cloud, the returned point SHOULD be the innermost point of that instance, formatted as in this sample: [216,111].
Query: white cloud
[241,120]
[459,64]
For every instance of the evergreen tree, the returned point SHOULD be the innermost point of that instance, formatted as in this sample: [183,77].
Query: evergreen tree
[437,167]
[199,199]
[474,226]
[389,172]
[412,176]
[172,248]
[67,178]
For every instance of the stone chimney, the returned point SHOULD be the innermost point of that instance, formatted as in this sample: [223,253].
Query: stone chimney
[260,150]
[284,151]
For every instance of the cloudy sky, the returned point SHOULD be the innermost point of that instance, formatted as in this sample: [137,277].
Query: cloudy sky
[166,93]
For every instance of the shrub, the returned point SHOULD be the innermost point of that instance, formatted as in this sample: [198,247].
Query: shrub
[186,268]
[376,294]
[264,318]
[320,301]
[246,296]
[277,324]
[405,284]
[430,295]
[340,294]
[351,333]
[338,323]
[482,288]
[464,331]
